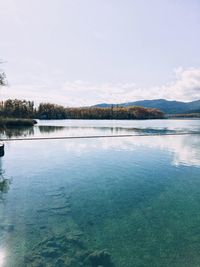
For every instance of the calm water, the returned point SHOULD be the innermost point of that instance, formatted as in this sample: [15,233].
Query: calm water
[112,202]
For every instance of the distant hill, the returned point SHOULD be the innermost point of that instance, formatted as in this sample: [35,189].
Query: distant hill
[169,107]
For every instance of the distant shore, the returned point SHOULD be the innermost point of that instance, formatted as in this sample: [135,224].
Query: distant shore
[15,112]
[26,109]
[183,116]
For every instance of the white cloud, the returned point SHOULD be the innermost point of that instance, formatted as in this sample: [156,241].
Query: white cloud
[10,13]
[184,87]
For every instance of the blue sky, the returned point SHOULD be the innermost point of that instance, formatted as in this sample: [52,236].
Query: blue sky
[82,52]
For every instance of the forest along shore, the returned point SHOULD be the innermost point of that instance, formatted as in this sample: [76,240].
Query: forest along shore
[24,109]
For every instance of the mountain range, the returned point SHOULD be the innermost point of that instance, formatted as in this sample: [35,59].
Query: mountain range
[169,107]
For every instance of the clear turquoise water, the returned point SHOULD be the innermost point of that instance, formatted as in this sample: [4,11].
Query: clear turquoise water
[138,198]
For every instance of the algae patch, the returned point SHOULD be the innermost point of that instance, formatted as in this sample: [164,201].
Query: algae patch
[64,245]
[66,251]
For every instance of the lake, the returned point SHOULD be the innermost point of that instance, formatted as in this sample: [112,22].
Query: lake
[112,202]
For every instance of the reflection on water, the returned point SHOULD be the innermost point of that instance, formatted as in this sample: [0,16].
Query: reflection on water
[185,150]
[67,128]
[2,257]
[107,202]
[16,132]
[50,129]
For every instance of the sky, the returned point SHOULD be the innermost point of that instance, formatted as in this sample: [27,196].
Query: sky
[84,52]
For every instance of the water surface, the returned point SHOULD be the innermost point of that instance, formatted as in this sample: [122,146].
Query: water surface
[120,202]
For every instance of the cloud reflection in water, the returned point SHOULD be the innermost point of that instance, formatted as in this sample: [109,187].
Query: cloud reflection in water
[185,149]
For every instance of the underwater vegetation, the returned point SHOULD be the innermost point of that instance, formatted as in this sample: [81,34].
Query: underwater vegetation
[100,258]
[66,251]
[4,184]
[64,244]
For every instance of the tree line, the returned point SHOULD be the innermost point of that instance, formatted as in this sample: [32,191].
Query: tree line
[27,109]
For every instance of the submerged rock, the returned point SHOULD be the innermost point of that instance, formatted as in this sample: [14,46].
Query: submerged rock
[58,250]
[100,258]
[66,251]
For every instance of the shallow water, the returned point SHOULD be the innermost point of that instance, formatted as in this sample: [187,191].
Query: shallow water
[138,198]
